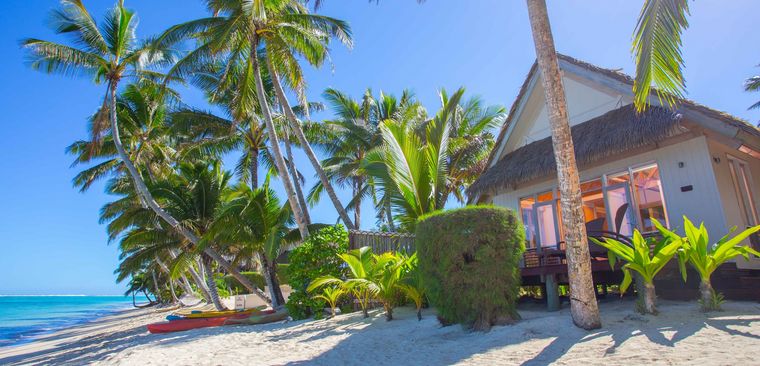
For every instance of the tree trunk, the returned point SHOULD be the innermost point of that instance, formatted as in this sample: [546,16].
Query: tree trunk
[706,293]
[274,141]
[294,174]
[419,314]
[389,216]
[583,306]
[275,292]
[357,202]
[171,288]
[196,278]
[282,98]
[238,276]
[147,197]
[213,291]
[253,169]
[157,293]
[186,285]
[388,313]
[650,299]
[134,303]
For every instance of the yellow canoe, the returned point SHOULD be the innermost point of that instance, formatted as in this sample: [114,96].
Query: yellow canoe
[214,314]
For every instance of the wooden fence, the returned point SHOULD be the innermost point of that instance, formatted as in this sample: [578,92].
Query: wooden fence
[381,242]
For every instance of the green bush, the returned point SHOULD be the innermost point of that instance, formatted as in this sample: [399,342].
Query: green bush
[469,261]
[229,285]
[316,257]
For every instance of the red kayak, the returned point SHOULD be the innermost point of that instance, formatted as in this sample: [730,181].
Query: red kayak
[187,324]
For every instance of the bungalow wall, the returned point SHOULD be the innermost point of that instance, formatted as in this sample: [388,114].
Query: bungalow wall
[682,164]
[734,217]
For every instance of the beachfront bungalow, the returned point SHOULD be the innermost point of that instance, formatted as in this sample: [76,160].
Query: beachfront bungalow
[661,163]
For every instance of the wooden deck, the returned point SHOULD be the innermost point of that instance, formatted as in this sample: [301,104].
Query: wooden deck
[547,267]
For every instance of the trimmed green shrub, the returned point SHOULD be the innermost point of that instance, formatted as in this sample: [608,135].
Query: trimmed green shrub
[469,260]
[316,257]
[229,285]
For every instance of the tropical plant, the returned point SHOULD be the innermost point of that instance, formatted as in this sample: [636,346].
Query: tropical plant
[238,32]
[585,310]
[657,51]
[752,85]
[348,138]
[256,221]
[647,258]
[331,295]
[413,284]
[371,276]
[317,256]
[705,258]
[412,169]
[109,53]
[469,259]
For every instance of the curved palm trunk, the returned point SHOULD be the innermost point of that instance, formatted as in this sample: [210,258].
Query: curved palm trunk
[358,202]
[213,291]
[270,276]
[296,183]
[171,288]
[147,197]
[155,286]
[278,159]
[307,148]
[253,169]
[583,306]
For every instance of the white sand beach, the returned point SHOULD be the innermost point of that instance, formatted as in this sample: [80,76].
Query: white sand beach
[679,335]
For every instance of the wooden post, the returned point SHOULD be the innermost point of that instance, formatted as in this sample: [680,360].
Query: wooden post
[552,292]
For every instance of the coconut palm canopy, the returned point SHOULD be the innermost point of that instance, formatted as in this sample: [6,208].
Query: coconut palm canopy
[115,43]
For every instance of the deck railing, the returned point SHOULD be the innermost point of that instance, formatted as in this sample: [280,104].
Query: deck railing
[381,242]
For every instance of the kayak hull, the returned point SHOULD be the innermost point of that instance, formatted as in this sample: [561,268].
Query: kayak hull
[179,325]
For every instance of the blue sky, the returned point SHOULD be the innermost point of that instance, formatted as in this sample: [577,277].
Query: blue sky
[50,238]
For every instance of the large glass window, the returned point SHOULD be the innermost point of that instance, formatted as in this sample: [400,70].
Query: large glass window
[744,194]
[647,189]
[527,213]
[619,202]
[594,211]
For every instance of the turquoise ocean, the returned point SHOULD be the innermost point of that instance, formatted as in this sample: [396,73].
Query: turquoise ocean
[24,318]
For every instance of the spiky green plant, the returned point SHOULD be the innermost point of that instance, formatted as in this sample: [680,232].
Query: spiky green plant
[331,295]
[647,258]
[657,51]
[705,258]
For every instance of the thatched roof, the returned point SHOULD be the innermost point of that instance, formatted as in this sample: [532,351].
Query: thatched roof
[684,104]
[610,134]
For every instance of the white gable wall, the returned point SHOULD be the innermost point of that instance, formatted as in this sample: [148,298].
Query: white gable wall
[585,100]
[583,104]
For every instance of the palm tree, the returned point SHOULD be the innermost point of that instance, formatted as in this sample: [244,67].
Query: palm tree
[347,140]
[470,137]
[241,30]
[411,168]
[657,50]
[108,53]
[255,219]
[583,306]
[752,85]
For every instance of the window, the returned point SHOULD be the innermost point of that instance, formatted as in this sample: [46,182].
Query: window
[526,213]
[618,202]
[742,186]
[647,190]
[594,209]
